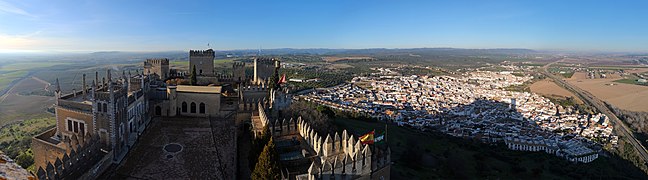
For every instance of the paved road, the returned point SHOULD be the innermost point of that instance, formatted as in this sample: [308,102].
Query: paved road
[590,99]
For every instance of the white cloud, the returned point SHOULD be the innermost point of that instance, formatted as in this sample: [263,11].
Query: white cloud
[8,8]
[22,41]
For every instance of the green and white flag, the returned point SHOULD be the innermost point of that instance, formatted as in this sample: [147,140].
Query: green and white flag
[380,137]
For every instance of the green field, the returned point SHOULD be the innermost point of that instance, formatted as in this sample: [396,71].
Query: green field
[556,70]
[7,78]
[11,72]
[631,81]
[224,61]
[615,67]
[438,156]
[568,74]
[29,65]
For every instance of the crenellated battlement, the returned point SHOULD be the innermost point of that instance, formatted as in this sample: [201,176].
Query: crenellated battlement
[83,152]
[339,156]
[156,61]
[238,65]
[265,60]
[208,52]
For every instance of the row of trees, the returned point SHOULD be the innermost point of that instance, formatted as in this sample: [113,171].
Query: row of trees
[637,120]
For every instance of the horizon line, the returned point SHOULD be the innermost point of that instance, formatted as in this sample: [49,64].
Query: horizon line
[558,50]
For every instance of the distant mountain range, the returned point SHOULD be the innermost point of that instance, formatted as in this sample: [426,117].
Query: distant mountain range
[129,56]
[457,51]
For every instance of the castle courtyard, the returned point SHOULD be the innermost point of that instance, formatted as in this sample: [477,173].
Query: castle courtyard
[182,148]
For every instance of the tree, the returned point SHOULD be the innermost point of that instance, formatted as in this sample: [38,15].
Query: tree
[25,159]
[274,79]
[258,143]
[267,167]
[320,122]
[193,77]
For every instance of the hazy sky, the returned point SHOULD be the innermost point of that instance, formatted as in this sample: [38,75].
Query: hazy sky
[65,25]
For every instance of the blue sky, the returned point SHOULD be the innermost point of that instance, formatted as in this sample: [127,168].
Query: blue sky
[65,25]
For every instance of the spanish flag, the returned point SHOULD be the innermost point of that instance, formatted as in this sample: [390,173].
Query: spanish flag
[367,138]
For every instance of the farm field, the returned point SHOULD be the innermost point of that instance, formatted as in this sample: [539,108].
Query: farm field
[7,78]
[13,71]
[625,96]
[29,65]
[549,88]
[14,106]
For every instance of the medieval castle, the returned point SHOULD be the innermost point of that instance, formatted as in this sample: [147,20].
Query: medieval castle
[98,126]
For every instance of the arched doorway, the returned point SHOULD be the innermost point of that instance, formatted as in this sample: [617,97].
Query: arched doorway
[158,110]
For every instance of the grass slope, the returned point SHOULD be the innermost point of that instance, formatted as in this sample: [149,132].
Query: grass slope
[15,139]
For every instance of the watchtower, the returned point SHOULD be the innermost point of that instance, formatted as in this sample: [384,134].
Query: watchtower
[157,66]
[203,61]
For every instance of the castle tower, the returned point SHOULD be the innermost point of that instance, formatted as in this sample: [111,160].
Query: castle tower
[264,68]
[203,61]
[238,69]
[159,67]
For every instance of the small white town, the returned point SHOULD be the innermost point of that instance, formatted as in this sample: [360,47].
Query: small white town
[474,106]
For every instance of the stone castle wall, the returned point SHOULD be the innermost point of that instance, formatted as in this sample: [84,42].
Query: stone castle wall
[43,150]
[83,153]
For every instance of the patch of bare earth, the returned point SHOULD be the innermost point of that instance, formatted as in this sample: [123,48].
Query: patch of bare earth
[549,88]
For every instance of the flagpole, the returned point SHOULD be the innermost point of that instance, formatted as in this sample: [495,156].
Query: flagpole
[373,146]
[385,138]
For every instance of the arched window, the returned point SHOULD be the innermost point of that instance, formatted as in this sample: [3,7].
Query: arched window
[202,108]
[105,107]
[193,107]
[184,107]
[99,107]
[158,110]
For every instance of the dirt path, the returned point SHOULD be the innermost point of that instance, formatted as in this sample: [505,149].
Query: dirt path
[47,84]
